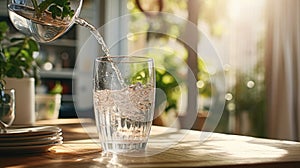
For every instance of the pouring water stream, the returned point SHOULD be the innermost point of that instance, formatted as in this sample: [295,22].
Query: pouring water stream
[103,45]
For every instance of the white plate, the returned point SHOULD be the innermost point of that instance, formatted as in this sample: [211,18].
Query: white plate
[30,131]
[28,138]
[42,141]
[27,149]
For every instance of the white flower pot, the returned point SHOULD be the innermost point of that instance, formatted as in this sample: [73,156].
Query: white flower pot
[25,99]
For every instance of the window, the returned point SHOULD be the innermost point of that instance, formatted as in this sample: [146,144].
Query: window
[236,30]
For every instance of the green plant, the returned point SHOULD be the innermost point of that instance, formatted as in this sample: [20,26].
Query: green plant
[58,8]
[248,97]
[16,56]
[57,89]
[168,84]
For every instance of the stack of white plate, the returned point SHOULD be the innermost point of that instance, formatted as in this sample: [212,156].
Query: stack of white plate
[30,139]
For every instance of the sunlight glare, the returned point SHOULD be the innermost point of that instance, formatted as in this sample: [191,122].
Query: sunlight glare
[249,150]
[234,9]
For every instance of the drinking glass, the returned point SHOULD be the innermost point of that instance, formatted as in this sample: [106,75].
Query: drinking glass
[123,96]
[7,108]
[35,19]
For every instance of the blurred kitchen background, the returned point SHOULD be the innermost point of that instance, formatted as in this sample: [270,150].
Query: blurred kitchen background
[257,43]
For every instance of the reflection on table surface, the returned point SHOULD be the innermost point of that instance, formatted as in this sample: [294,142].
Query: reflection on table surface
[168,147]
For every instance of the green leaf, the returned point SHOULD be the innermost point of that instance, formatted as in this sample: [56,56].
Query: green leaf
[58,8]
[55,11]
[26,55]
[58,88]
[66,11]
[33,45]
[15,72]
[60,2]
[3,27]
[21,64]
[45,4]
[3,30]
[13,40]
[2,57]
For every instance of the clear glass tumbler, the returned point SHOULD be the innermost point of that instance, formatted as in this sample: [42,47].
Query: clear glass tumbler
[7,108]
[123,98]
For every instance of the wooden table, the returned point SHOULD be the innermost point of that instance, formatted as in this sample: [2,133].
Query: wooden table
[218,150]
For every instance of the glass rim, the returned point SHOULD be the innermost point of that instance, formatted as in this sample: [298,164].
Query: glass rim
[125,59]
[9,89]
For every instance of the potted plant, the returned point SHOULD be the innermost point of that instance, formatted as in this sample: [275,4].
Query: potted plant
[17,64]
